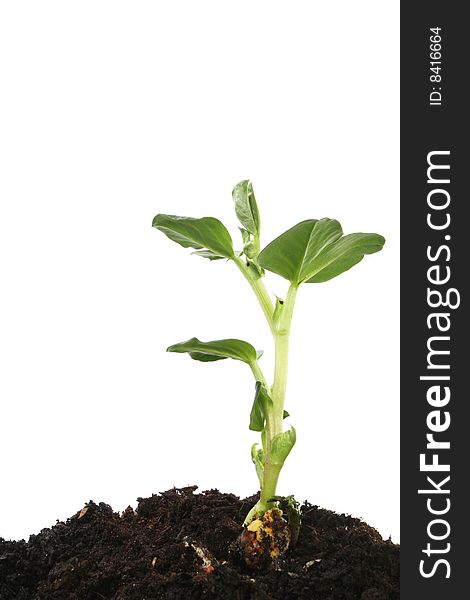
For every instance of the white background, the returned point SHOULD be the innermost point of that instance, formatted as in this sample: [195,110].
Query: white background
[115,111]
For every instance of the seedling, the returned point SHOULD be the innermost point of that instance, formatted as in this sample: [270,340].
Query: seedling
[313,251]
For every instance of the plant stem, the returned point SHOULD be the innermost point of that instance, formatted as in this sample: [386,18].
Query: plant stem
[281,345]
[278,393]
[281,331]
[280,328]
[259,289]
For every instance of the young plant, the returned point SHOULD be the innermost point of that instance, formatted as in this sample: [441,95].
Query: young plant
[313,251]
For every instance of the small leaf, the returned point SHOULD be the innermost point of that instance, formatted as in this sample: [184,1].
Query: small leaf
[285,414]
[251,250]
[291,508]
[260,409]
[282,444]
[246,207]
[294,518]
[314,251]
[205,233]
[216,350]
[257,456]
[245,235]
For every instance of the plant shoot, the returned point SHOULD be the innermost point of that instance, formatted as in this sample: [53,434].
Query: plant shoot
[313,251]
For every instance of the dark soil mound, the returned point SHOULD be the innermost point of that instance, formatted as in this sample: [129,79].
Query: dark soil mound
[177,545]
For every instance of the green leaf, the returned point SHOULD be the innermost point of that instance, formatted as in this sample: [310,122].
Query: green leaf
[245,235]
[205,233]
[260,409]
[344,254]
[216,350]
[291,253]
[246,207]
[208,254]
[251,250]
[314,251]
[285,414]
[257,456]
[282,444]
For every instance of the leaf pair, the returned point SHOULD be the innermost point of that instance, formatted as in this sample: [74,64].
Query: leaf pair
[314,251]
[209,236]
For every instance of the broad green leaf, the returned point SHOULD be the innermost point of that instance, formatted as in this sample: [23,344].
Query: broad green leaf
[314,251]
[216,350]
[246,207]
[344,254]
[257,456]
[290,253]
[261,406]
[205,233]
[282,444]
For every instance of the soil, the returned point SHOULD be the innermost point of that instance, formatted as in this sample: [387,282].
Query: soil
[180,545]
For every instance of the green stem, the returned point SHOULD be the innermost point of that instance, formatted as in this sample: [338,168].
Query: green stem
[281,332]
[278,393]
[280,328]
[259,289]
[281,344]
